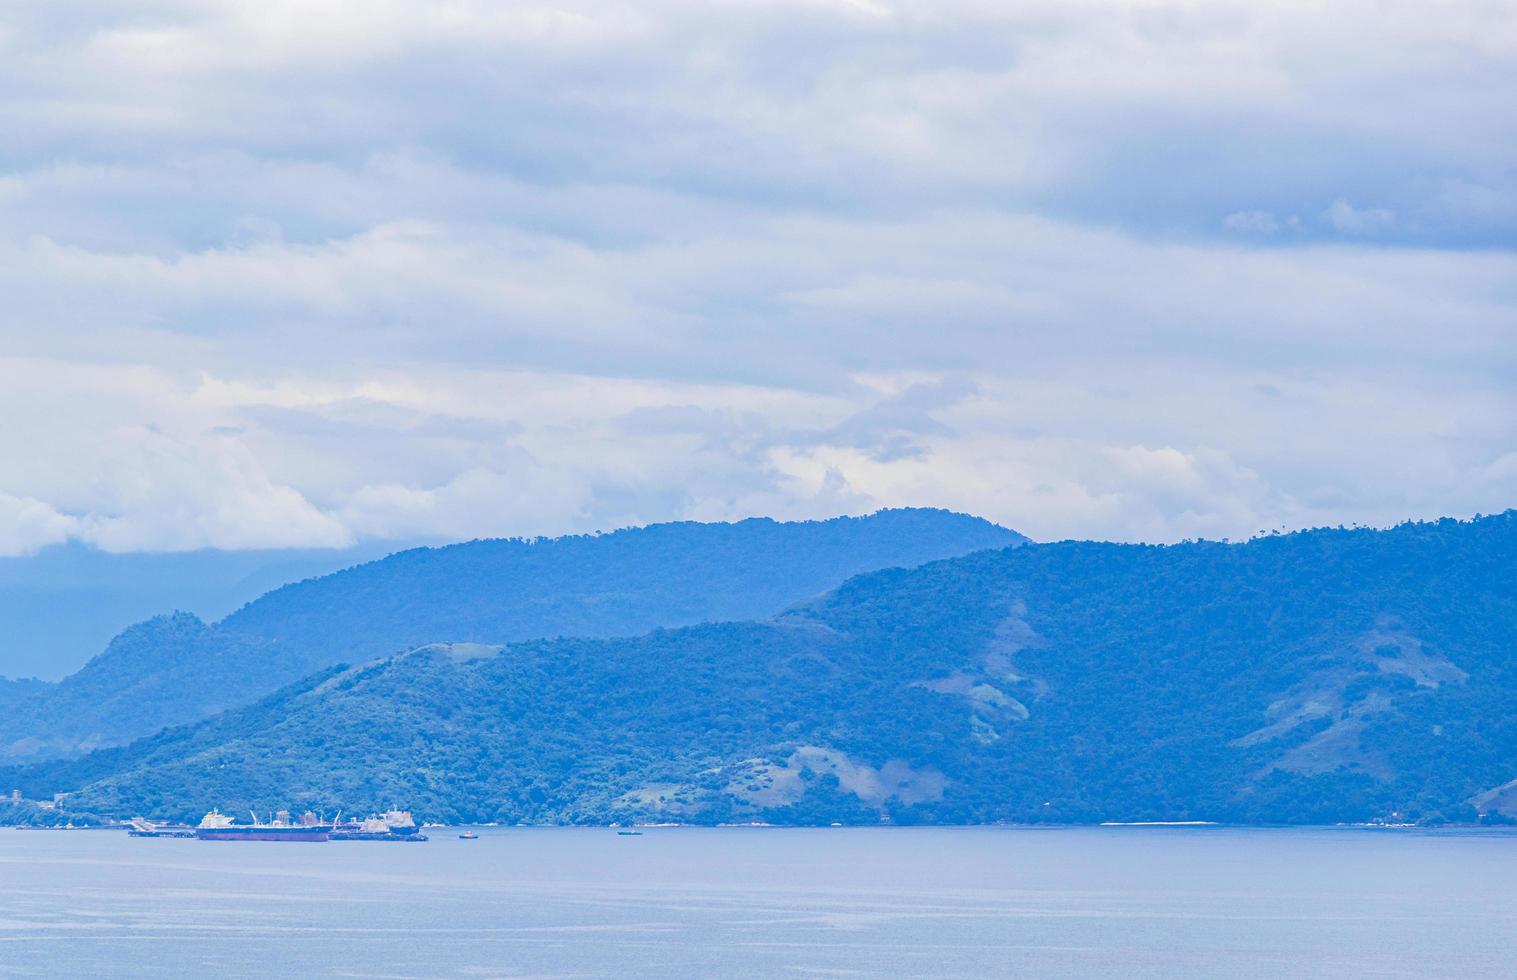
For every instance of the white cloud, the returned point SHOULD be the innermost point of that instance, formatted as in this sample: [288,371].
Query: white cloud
[27,525]
[1116,450]
[281,274]
[1252,222]
[1359,221]
[168,493]
[522,498]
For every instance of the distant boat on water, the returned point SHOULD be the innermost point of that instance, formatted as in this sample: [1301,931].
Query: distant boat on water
[468,835]
[140,827]
[629,833]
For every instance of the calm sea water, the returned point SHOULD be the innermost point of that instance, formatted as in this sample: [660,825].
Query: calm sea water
[898,902]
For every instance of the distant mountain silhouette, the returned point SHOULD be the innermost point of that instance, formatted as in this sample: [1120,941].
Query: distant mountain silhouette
[176,669]
[1331,675]
[61,606]
[13,691]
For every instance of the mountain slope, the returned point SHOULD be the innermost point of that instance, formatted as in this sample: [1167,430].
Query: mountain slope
[1323,676]
[62,605]
[176,669]
[619,584]
[13,691]
[169,670]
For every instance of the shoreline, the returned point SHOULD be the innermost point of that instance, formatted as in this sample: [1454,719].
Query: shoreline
[1104,825]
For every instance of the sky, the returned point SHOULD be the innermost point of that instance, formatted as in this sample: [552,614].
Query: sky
[310,274]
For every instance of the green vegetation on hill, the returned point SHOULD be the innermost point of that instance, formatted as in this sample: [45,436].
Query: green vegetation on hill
[167,671]
[1324,676]
[176,669]
[620,584]
[28,814]
[14,691]
[62,605]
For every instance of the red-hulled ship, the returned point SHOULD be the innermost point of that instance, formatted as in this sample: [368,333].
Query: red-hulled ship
[218,826]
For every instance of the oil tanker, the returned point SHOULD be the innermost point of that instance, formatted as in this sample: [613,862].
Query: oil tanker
[218,826]
[393,825]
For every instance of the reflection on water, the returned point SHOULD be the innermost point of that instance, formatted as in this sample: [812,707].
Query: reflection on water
[897,902]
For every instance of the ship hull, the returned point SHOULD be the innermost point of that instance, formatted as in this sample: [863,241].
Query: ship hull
[263,833]
[172,832]
[361,835]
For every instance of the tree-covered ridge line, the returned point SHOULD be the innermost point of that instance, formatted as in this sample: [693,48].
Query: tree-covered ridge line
[17,689]
[176,669]
[63,604]
[1323,676]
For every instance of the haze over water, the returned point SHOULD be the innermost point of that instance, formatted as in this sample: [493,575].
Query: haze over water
[681,902]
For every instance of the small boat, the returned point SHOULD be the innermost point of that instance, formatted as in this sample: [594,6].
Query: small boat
[629,833]
[468,835]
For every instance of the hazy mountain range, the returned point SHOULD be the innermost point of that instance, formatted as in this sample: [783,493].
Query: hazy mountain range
[175,669]
[1330,675]
[62,605]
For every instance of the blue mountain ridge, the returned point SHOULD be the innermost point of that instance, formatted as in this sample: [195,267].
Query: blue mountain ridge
[176,669]
[1322,676]
[61,606]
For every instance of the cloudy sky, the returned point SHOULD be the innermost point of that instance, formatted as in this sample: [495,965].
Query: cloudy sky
[311,273]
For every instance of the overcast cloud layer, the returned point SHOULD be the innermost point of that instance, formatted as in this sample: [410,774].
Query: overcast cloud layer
[287,273]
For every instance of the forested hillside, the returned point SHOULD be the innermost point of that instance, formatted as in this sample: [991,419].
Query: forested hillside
[176,669]
[619,584]
[64,604]
[167,671]
[14,690]
[1324,676]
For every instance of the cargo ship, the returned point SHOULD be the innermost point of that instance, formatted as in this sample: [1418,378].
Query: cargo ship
[392,825]
[218,826]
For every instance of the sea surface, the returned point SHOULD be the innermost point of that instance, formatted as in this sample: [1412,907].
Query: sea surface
[1123,902]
